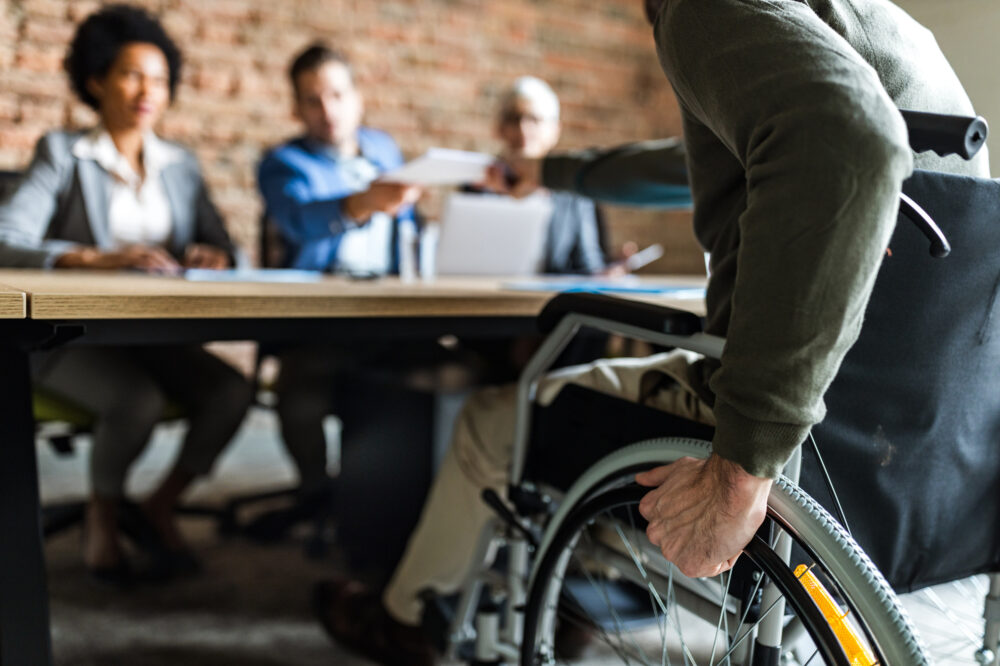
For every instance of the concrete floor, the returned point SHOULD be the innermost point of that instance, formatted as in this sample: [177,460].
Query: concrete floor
[251,605]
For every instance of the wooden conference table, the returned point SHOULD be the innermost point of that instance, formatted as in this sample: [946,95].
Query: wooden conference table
[13,303]
[41,310]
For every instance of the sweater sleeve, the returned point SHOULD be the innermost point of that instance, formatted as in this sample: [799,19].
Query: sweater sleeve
[647,173]
[823,154]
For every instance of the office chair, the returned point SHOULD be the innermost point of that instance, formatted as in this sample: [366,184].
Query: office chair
[378,476]
[273,522]
[374,446]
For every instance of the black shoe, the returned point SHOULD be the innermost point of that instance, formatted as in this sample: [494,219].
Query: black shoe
[136,526]
[164,563]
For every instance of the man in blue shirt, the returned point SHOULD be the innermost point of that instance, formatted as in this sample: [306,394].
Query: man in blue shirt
[323,197]
[320,190]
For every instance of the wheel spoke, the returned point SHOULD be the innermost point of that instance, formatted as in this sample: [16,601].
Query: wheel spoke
[677,624]
[945,610]
[723,616]
[661,622]
[619,627]
[611,562]
[655,596]
[741,639]
[595,625]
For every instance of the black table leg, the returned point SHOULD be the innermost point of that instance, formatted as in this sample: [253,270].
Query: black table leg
[24,598]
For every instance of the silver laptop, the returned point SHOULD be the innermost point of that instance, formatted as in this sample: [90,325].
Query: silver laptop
[487,234]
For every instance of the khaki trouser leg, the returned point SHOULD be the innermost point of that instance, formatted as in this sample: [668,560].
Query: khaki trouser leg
[441,548]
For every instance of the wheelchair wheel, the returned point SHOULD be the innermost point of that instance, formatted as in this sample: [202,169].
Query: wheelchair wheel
[597,577]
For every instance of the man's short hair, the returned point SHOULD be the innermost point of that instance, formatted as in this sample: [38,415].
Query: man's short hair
[314,57]
[536,91]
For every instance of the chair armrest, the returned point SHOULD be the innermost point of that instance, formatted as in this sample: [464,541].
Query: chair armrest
[657,318]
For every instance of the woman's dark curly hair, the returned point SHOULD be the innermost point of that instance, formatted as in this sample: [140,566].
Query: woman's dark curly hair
[100,38]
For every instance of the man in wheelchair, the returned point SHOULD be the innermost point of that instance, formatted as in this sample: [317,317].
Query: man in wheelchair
[795,155]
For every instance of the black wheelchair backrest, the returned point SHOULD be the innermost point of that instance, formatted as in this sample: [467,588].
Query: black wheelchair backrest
[912,434]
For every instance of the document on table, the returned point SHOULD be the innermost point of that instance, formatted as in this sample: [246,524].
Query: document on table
[442,166]
[252,275]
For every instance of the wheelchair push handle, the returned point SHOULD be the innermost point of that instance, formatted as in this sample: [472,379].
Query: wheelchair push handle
[946,135]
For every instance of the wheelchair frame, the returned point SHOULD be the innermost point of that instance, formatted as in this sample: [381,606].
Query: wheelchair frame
[497,626]
[498,638]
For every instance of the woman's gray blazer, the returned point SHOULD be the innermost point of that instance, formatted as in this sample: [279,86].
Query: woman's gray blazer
[62,202]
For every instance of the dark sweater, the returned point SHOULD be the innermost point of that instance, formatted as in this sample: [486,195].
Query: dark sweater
[796,157]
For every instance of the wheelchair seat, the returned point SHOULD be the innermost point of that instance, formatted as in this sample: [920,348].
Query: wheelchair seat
[591,425]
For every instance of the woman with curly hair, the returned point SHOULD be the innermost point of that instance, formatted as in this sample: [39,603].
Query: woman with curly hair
[119,197]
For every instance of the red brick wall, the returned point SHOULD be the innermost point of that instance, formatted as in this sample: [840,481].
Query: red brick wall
[431,71]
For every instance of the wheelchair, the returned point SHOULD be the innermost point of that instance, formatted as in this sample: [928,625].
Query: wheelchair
[911,436]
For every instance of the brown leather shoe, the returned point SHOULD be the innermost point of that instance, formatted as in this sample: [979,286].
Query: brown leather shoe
[353,616]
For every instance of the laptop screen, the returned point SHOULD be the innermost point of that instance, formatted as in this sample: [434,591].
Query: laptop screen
[488,234]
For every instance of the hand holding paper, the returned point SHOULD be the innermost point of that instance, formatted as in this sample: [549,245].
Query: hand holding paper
[380,197]
[517,177]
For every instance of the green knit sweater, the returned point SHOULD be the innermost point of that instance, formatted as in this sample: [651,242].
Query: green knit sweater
[795,157]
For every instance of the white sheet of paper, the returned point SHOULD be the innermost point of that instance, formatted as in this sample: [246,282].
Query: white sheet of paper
[442,166]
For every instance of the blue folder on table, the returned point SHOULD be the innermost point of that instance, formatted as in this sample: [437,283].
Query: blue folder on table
[252,275]
[605,286]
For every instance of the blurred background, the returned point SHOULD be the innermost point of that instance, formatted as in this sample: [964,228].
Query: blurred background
[431,72]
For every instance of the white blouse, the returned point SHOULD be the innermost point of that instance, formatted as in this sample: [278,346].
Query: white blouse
[138,209]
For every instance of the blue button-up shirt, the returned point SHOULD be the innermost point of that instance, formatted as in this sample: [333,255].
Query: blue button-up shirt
[304,184]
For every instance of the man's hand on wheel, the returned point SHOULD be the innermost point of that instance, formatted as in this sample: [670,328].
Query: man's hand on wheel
[702,512]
